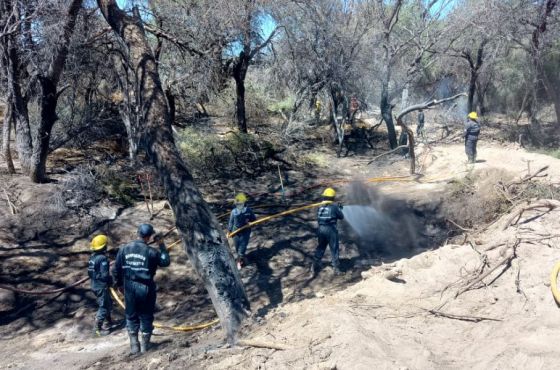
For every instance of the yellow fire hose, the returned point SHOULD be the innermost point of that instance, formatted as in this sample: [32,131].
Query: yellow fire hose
[255,223]
[554,283]
[281,214]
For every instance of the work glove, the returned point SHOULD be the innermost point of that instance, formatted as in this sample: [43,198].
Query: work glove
[340,206]
[158,238]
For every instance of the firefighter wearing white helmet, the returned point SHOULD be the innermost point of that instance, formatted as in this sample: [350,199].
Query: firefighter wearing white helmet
[472,130]
[327,234]
[98,271]
[240,216]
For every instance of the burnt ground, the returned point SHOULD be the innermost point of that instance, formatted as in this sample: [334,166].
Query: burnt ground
[45,246]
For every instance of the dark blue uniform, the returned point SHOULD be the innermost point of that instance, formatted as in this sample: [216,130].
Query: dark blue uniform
[238,219]
[472,130]
[420,127]
[327,216]
[135,267]
[98,271]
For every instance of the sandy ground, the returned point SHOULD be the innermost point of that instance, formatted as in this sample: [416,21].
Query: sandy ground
[359,320]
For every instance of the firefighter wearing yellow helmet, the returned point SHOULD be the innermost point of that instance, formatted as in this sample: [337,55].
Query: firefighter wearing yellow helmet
[240,216]
[98,271]
[472,130]
[327,216]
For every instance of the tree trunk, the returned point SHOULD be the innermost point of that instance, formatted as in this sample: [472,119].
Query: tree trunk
[387,114]
[49,100]
[472,89]
[18,102]
[6,133]
[49,96]
[202,236]
[240,102]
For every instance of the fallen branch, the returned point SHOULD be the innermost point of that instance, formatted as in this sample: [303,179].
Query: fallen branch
[529,177]
[548,204]
[261,344]
[458,226]
[389,152]
[505,260]
[461,317]
[11,205]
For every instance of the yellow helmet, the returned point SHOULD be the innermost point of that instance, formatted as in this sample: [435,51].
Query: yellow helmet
[329,193]
[473,116]
[99,242]
[240,198]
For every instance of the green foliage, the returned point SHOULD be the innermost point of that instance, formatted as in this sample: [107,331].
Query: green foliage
[232,155]
[116,185]
[283,105]
[552,152]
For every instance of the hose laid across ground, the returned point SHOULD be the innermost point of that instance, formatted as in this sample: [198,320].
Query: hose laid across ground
[44,292]
[554,282]
[204,325]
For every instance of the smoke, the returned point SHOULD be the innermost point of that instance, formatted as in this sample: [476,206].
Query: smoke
[382,225]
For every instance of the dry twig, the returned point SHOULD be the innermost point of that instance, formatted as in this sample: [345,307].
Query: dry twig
[505,260]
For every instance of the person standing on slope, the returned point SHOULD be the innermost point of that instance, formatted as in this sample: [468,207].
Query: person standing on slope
[98,271]
[327,233]
[472,130]
[135,268]
[240,216]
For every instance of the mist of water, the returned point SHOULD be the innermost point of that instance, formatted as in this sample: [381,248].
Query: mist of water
[379,224]
[366,221]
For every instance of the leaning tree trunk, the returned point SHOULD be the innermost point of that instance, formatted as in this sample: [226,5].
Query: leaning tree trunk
[6,133]
[203,238]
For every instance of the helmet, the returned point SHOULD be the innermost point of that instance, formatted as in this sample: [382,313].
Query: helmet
[473,116]
[240,198]
[329,193]
[145,230]
[99,242]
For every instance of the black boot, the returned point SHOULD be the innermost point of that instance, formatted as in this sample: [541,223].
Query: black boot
[145,342]
[134,344]
[98,329]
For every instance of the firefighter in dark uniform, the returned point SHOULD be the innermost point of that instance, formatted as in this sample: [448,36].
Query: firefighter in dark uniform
[135,267]
[98,271]
[240,216]
[472,130]
[420,132]
[328,216]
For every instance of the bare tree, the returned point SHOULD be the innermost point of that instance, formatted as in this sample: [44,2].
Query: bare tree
[33,151]
[202,236]
[408,41]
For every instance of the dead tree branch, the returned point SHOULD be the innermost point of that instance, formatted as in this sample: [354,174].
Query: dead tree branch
[426,105]
[544,204]
[506,260]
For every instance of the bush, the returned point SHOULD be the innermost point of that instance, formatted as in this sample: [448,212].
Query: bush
[233,155]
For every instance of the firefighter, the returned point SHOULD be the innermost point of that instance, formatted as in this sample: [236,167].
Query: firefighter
[98,271]
[327,233]
[420,132]
[135,267]
[240,216]
[472,130]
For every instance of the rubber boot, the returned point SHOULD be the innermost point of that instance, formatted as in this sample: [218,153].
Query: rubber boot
[145,342]
[98,329]
[134,344]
